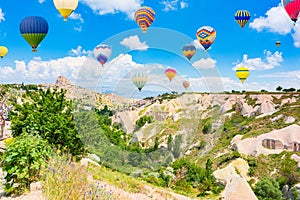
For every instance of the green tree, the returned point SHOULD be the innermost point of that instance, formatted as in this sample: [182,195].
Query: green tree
[268,189]
[170,142]
[177,146]
[279,88]
[48,114]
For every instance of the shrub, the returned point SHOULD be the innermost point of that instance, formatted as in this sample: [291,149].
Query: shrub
[23,160]
[267,189]
[65,179]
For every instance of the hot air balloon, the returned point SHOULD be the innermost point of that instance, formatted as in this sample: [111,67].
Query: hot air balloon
[242,17]
[292,7]
[102,53]
[144,17]
[206,35]
[278,43]
[65,7]
[170,73]
[242,73]
[3,51]
[34,29]
[139,79]
[189,51]
[186,84]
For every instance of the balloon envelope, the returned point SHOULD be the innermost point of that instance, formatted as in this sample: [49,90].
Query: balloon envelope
[189,51]
[278,43]
[206,35]
[65,7]
[292,8]
[186,84]
[102,53]
[242,73]
[3,51]
[170,73]
[34,29]
[144,17]
[139,79]
[242,17]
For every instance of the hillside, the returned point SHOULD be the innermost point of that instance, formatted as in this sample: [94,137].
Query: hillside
[179,141]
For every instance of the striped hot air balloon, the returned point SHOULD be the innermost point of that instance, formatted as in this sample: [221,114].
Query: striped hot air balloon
[34,29]
[144,17]
[170,73]
[242,73]
[292,8]
[3,51]
[189,51]
[65,7]
[277,43]
[102,53]
[139,79]
[206,35]
[242,17]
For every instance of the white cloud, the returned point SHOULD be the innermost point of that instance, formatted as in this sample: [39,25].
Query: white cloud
[76,16]
[42,1]
[79,51]
[271,61]
[1,15]
[276,20]
[173,5]
[79,29]
[103,7]
[296,35]
[183,4]
[205,63]
[133,42]
[39,71]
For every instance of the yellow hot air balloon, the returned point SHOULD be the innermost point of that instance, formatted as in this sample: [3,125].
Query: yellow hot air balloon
[242,73]
[3,51]
[170,73]
[65,7]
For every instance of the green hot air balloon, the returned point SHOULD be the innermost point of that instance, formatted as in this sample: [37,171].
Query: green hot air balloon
[34,29]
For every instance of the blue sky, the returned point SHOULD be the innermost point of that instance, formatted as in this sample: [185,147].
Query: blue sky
[67,48]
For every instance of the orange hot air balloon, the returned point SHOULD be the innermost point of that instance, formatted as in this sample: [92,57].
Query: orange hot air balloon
[186,84]
[170,73]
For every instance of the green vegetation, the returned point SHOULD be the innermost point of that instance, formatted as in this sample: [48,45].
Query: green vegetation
[143,120]
[49,115]
[267,189]
[63,179]
[23,160]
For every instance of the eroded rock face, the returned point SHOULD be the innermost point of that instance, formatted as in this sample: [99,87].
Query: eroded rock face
[61,80]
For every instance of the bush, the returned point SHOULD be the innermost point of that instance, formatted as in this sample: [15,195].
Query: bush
[23,160]
[267,189]
[65,179]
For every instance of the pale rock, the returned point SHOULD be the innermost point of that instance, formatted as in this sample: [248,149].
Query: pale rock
[85,161]
[289,120]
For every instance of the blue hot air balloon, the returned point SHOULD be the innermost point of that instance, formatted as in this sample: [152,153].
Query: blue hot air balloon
[34,29]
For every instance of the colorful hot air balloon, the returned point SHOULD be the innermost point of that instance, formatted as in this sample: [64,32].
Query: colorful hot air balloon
[186,84]
[292,7]
[34,29]
[189,51]
[170,73]
[102,53]
[65,7]
[3,51]
[139,79]
[278,43]
[242,73]
[144,17]
[206,35]
[242,17]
